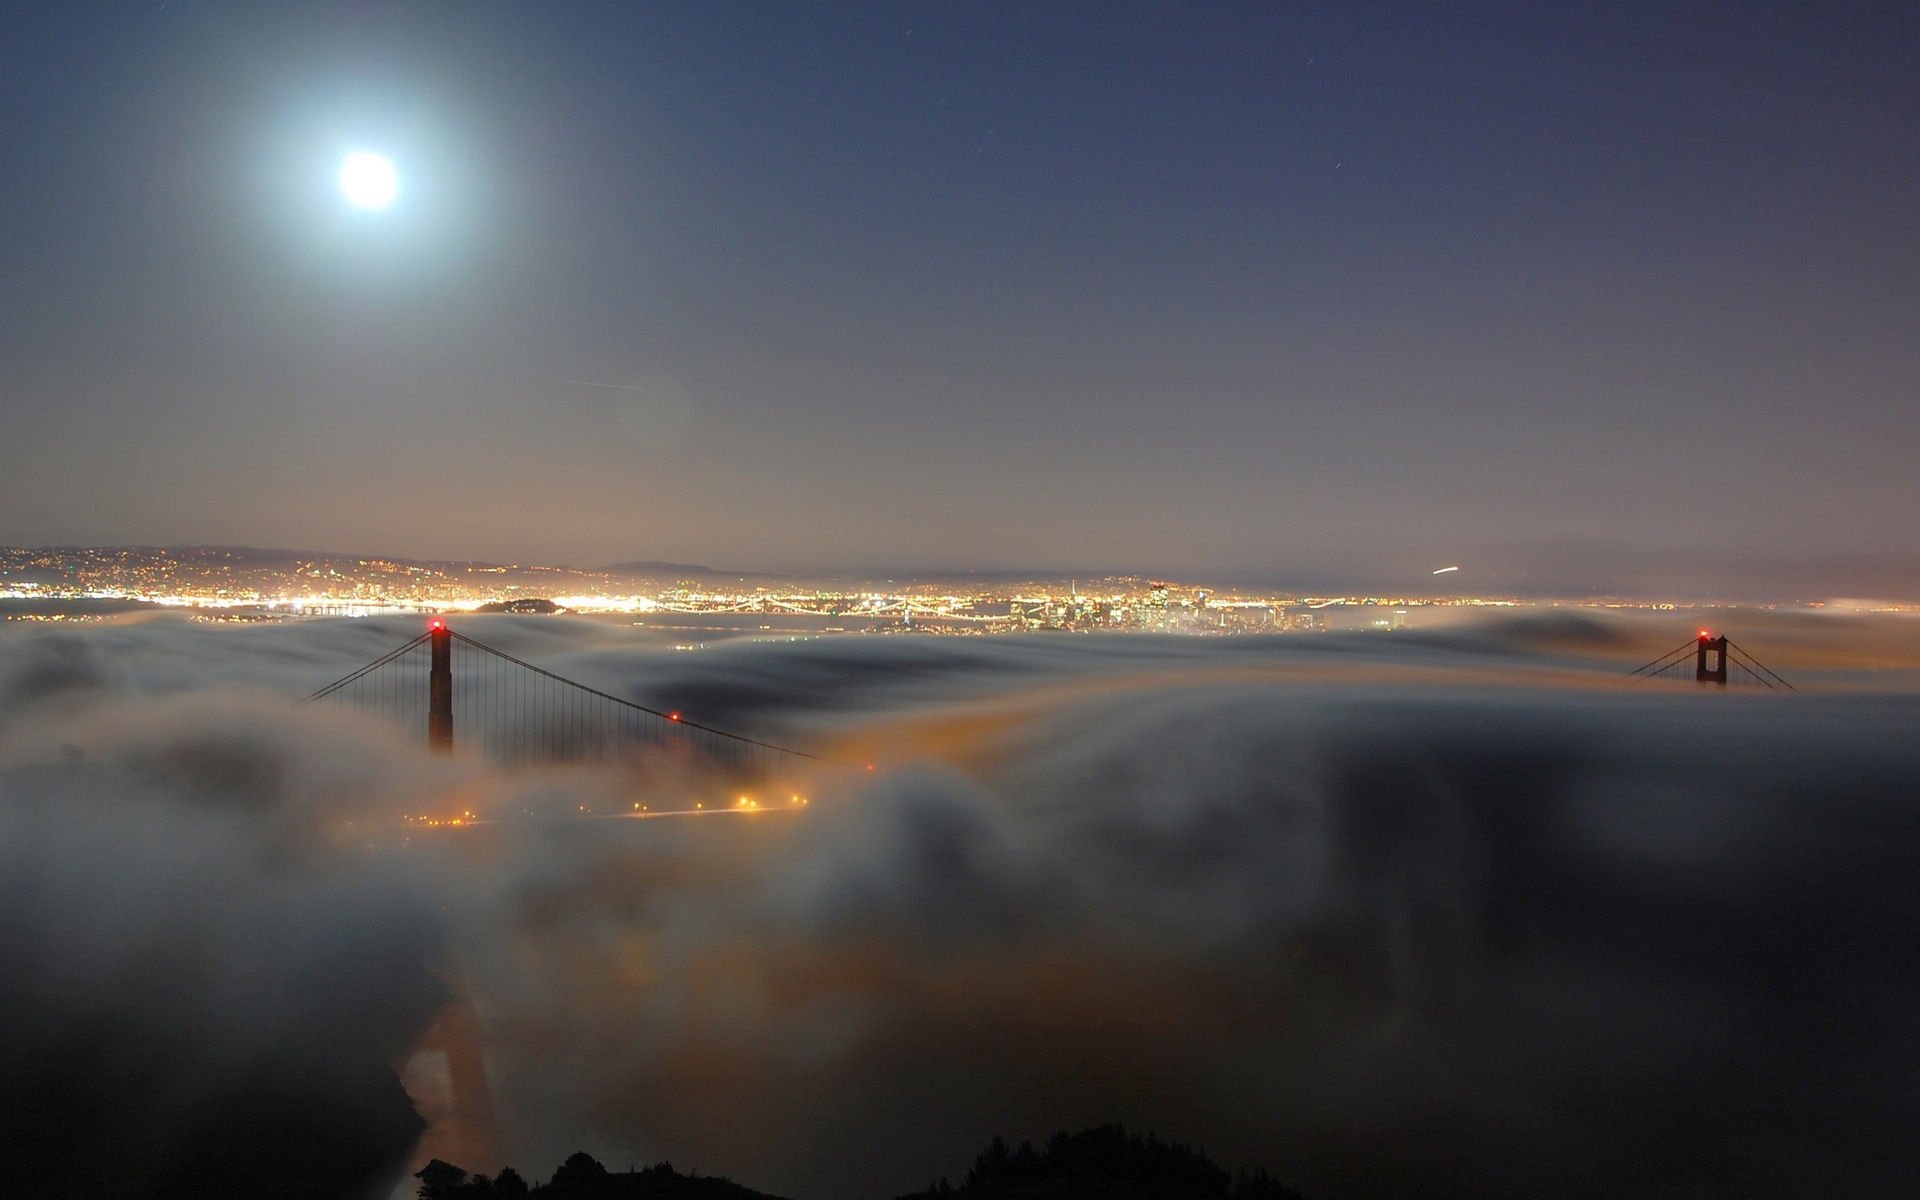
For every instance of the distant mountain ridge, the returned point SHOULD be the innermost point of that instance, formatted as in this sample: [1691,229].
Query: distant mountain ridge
[279,556]
[678,570]
[651,568]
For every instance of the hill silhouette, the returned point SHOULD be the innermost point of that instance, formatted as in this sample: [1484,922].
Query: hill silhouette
[532,605]
[581,1177]
[1103,1163]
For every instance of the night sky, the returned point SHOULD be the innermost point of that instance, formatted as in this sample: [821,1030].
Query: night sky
[1340,292]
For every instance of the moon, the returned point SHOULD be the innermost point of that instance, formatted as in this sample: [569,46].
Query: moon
[369,181]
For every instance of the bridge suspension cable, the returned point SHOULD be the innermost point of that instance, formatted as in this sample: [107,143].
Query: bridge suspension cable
[1670,659]
[517,711]
[363,672]
[672,717]
[1754,667]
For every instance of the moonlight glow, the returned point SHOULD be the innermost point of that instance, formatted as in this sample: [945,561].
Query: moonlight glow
[368,181]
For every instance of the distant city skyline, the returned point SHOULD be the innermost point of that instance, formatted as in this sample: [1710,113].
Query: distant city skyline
[1615,299]
[1874,584]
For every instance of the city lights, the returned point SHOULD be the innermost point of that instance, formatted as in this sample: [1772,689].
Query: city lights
[238,585]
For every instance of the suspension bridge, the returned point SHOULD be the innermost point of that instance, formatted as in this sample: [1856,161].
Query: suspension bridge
[519,713]
[1713,660]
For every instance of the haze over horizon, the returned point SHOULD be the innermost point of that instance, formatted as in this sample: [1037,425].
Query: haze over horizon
[1606,300]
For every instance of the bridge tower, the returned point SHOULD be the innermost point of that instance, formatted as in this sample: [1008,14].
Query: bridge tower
[1710,659]
[440,690]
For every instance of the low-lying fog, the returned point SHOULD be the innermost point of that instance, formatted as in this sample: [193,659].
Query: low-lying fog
[1446,912]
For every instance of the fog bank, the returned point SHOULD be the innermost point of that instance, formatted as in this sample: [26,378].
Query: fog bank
[1452,911]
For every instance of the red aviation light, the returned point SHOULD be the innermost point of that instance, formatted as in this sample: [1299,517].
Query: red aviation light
[673,716]
[439,624]
[1704,635]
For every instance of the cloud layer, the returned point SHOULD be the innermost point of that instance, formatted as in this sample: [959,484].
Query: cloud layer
[1451,913]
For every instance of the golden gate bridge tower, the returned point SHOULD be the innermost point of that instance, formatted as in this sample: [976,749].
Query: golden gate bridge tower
[1716,660]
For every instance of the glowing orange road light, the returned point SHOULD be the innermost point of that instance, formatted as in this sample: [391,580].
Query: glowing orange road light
[673,716]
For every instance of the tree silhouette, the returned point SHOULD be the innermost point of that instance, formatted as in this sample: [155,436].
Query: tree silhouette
[1105,1163]
[580,1176]
[441,1181]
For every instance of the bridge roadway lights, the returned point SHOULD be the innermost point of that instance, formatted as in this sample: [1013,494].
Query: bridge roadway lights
[440,691]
